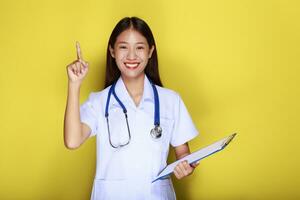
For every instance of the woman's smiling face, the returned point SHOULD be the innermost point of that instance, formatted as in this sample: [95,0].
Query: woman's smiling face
[131,53]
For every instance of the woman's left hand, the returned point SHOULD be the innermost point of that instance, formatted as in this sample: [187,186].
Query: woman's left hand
[184,169]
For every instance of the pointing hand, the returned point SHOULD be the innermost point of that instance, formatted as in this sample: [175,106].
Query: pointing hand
[78,69]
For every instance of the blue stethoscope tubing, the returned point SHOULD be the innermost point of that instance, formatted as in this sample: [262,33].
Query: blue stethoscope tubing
[155,132]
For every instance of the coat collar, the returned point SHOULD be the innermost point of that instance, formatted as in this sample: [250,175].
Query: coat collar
[124,96]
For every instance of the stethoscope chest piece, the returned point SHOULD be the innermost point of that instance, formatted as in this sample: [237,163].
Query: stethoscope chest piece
[156,132]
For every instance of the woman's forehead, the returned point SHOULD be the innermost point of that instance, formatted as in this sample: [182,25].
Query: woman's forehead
[131,36]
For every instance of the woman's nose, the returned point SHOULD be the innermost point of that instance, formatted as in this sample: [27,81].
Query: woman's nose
[131,54]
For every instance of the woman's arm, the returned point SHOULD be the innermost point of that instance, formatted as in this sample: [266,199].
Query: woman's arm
[183,169]
[75,132]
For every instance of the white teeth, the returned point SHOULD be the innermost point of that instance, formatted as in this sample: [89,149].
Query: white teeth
[131,65]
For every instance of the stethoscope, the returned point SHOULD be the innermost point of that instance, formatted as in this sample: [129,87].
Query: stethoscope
[155,132]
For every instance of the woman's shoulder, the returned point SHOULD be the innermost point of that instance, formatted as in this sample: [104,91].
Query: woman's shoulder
[98,94]
[167,93]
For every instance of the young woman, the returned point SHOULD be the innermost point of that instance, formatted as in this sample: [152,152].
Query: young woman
[134,117]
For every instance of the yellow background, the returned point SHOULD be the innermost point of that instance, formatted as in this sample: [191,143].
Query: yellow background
[235,64]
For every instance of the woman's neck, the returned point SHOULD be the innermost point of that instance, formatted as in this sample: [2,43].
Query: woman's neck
[135,87]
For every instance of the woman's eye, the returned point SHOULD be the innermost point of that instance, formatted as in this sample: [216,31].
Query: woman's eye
[141,47]
[122,47]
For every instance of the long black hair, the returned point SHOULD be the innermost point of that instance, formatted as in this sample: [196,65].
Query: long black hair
[112,70]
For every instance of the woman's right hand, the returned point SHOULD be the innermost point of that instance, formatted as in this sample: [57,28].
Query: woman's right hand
[78,69]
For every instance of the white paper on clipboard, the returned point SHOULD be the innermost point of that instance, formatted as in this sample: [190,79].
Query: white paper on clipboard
[196,156]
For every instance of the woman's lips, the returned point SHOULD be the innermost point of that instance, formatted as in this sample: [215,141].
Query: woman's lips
[131,65]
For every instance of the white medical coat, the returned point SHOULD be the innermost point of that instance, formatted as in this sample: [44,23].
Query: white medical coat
[126,173]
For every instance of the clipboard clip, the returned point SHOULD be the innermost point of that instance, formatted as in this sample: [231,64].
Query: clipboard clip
[228,140]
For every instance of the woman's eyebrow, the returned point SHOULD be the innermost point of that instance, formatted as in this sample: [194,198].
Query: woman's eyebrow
[124,42]
[140,43]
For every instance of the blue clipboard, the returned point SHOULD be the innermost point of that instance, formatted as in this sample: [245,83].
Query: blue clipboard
[196,156]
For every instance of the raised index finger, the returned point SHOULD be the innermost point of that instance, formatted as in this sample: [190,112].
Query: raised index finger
[79,57]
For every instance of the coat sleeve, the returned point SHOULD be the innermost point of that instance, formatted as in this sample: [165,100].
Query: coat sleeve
[184,128]
[88,114]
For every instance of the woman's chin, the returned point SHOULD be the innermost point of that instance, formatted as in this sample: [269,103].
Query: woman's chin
[132,74]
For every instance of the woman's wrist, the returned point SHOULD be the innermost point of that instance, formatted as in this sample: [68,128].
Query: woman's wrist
[74,85]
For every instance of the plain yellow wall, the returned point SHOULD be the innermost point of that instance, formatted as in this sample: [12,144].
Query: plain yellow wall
[235,64]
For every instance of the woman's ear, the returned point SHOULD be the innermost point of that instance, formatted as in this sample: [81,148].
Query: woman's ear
[111,50]
[151,51]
